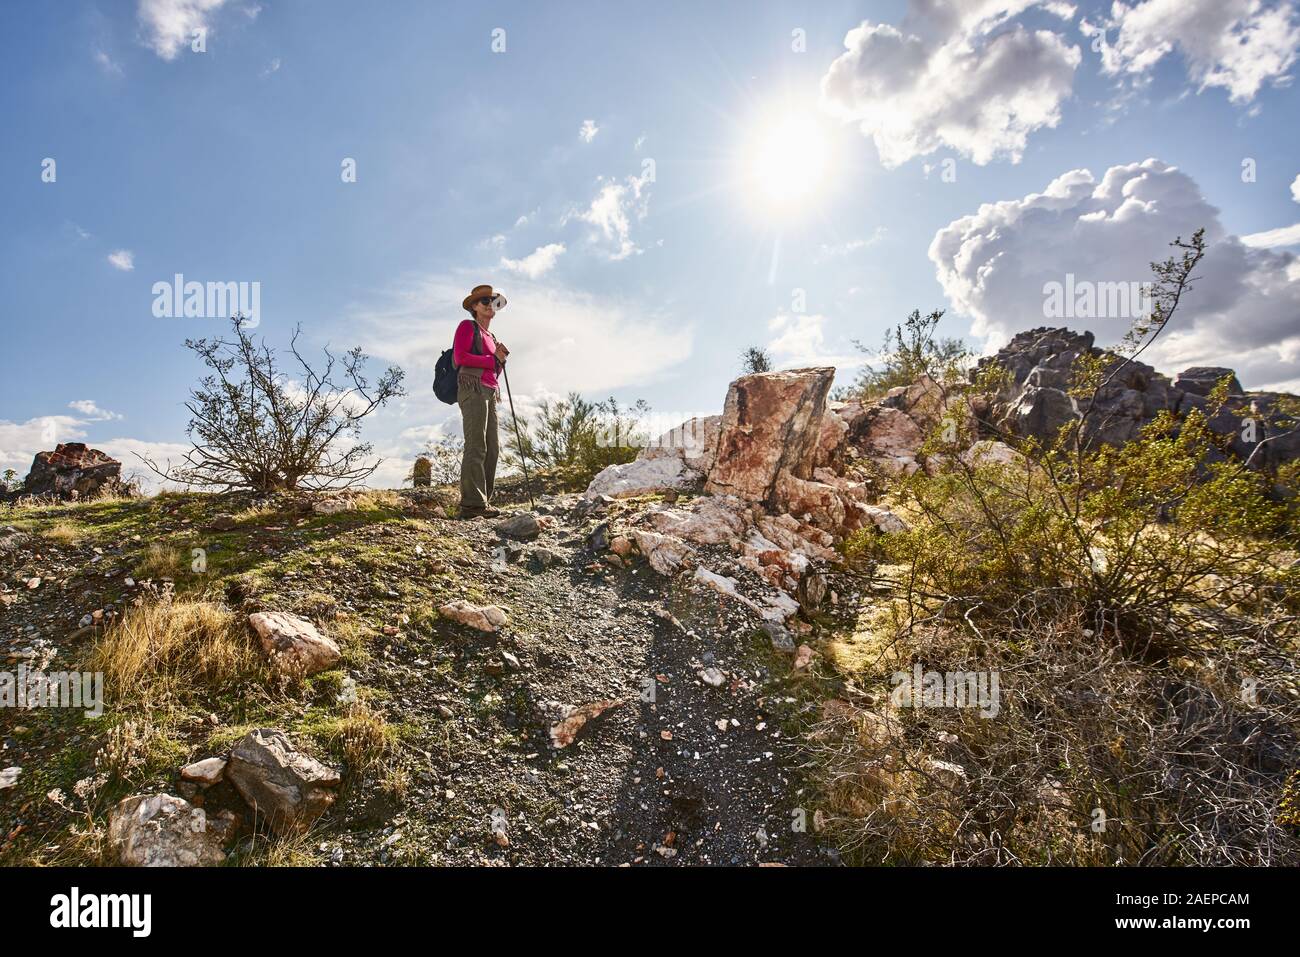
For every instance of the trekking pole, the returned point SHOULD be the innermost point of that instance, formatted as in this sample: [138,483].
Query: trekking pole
[523,459]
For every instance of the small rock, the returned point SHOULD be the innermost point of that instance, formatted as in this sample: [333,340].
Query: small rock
[483,617]
[780,636]
[803,658]
[564,731]
[522,526]
[289,788]
[598,538]
[208,771]
[712,677]
[541,558]
[9,777]
[223,523]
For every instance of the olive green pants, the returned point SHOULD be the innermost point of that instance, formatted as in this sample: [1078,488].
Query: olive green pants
[478,464]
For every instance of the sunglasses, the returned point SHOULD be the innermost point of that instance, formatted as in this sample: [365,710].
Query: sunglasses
[496,302]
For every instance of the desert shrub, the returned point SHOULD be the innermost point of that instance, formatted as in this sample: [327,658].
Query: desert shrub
[910,350]
[1138,605]
[254,426]
[576,437]
[754,359]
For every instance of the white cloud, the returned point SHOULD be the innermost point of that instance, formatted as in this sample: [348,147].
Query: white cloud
[122,259]
[560,339]
[959,75]
[1243,311]
[834,250]
[107,63]
[1269,238]
[1283,236]
[613,210]
[588,131]
[799,339]
[272,67]
[1237,45]
[20,441]
[92,411]
[537,263]
[170,24]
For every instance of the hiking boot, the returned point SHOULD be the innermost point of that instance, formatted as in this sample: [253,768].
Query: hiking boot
[479,513]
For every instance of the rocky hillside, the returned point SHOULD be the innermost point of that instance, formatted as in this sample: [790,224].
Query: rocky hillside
[636,674]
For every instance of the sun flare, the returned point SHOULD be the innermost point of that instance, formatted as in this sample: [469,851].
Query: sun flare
[787,162]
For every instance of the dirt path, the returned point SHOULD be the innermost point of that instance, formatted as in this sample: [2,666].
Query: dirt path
[655,780]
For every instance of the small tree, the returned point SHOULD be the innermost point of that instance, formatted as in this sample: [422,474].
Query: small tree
[253,426]
[910,351]
[575,434]
[755,359]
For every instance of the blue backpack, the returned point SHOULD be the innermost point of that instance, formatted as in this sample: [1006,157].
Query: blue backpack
[444,373]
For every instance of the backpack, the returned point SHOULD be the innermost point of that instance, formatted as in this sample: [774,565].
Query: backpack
[444,373]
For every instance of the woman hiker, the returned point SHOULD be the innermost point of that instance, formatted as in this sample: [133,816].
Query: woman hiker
[478,357]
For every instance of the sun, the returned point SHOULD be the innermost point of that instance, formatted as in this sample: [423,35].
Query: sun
[786,162]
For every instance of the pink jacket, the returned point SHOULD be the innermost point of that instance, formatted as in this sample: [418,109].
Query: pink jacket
[464,359]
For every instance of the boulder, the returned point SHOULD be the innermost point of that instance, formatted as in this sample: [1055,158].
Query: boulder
[708,520]
[160,830]
[771,423]
[72,470]
[1199,380]
[832,440]
[891,439]
[293,644]
[288,788]
[332,506]
[483,617]
[694,443]
[1034,403]
[818,503]
[642,476]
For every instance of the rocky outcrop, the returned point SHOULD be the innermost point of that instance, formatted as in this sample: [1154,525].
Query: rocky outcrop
[72,470]
[160,830]
[288,788]
[771,424]
[1035,402]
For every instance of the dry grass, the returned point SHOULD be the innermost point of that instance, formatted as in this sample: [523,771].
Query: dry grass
[1092,757]
[367,741]
[162,561]
[379,499]
[64,533]
[168,650]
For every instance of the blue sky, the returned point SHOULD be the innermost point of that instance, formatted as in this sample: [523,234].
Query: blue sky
[655,187]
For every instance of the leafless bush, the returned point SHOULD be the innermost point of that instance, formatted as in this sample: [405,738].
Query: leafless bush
[255,427]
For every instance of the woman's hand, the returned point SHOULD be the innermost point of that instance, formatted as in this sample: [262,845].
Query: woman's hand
[502,351]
